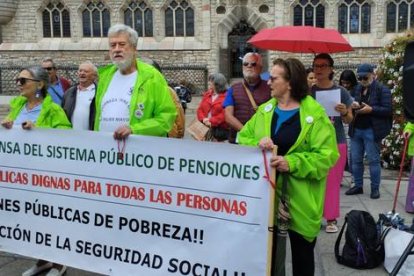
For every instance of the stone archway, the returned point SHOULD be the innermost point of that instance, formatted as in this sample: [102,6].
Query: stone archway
[233,32]
[238,47]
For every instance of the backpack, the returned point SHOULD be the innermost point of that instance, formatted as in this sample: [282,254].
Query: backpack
[363,248]
[177,130]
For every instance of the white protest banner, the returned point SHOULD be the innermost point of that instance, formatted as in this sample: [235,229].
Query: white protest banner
[167,207]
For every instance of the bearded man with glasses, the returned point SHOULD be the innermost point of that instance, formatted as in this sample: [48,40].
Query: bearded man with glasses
[372,123]
[243,98]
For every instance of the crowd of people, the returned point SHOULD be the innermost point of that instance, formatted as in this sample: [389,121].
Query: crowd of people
[131,96]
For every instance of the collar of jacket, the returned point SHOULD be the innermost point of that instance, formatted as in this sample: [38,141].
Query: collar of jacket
[107,72]
[310,112]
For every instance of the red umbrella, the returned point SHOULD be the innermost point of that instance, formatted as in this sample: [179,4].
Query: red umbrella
[301,39]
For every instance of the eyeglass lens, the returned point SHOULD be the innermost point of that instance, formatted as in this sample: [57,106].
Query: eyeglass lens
[249,63]
[363,78]
[320,66]
[49,68]
[22,81]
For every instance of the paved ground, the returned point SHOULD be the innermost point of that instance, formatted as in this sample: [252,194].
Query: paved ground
[13,265]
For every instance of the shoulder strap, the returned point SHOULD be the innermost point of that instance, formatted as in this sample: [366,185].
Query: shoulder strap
[57,94]
[338,241]
[249,94]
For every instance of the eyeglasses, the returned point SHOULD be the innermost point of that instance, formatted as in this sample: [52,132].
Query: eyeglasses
[48,68]
[321,66]
[253,64]
[22,81]
[365,78]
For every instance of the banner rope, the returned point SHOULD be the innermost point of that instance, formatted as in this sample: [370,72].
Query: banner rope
[121,148]
[267,175]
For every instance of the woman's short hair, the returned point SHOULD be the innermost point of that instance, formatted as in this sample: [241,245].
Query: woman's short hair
[124,29]
[348,75]
[38,73]
[309,70]
[295,74]
[219,82]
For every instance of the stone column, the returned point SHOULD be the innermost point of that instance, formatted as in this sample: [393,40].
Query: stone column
[7,10]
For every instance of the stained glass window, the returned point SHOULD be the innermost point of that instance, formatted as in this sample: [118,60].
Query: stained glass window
[179,19]
[56,21]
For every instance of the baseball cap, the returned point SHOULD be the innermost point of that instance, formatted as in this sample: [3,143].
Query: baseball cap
[364,69]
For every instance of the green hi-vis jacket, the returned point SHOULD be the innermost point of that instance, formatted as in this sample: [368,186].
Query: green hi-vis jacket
[310,158]
[51,115]
[152,111]
[410,127]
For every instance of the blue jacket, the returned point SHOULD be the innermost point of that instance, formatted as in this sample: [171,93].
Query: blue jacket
[381,116]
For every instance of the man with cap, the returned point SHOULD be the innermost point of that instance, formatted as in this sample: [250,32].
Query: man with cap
[372,123]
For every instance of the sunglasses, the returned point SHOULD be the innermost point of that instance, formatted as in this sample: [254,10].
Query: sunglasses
[365,78]
[48,68]
[22,81]
[253,64]
[321,66]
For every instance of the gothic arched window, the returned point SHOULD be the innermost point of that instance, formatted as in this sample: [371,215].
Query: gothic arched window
[179,19]
[309,13]
[96,19]
[354,16]
[138,15]
[400,15]
[56,21]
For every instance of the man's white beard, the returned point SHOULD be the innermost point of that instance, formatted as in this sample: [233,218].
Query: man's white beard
[124,64]
[251,77]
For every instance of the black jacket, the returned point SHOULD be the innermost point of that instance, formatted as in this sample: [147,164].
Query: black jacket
[69,102]
[381,116]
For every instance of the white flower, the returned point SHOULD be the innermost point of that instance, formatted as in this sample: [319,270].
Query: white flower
[309,119]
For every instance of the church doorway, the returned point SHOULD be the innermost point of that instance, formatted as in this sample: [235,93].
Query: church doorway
[238,47]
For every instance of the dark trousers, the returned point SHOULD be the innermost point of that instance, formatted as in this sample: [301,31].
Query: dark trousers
[303,262]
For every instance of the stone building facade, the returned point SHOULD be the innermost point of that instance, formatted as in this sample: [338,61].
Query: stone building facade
[221,29]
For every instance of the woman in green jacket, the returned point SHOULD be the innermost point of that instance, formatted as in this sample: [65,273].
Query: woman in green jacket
[408,132]
[307,149]
[34,107]
[409,203]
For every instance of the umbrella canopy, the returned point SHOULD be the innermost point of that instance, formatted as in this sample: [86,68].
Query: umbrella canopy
[301,39]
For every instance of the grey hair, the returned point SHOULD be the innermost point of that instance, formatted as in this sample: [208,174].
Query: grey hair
[256,56]
[124,29]
[219,82]
[49,59]
[94,69]
[38,73]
